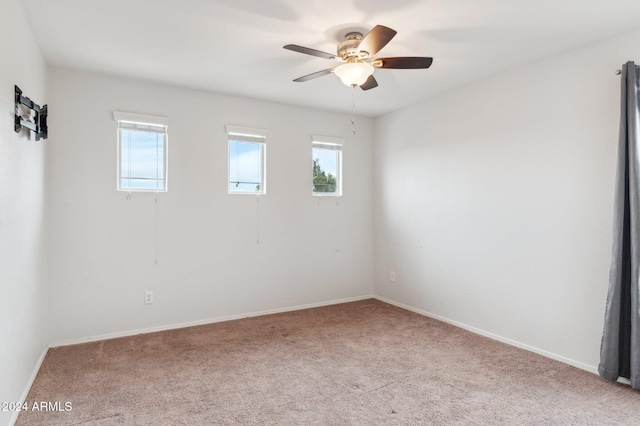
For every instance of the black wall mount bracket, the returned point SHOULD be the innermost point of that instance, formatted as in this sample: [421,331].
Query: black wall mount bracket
[37,122]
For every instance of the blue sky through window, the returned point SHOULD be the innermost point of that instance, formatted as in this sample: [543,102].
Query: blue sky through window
[327,159]
[141,160]
[245,166]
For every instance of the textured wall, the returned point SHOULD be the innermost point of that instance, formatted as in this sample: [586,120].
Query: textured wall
[209,263]
[22,204]
[493,202]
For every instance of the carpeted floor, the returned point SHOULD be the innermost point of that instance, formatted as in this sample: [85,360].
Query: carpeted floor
[361,363]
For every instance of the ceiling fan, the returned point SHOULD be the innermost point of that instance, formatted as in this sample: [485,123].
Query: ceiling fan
[356,54]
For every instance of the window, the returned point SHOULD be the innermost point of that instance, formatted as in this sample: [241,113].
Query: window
[142,152]
[327,165]
[247,152]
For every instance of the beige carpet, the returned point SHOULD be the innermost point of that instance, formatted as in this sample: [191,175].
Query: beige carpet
[361,363]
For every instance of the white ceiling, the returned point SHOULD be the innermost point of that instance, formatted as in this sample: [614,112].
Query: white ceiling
[235,46]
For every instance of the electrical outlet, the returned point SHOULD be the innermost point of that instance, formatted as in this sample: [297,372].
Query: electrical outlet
[392,277]
[148,297]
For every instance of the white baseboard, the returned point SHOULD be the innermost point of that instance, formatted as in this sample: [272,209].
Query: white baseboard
[203,322]
[27,388]
[574,363]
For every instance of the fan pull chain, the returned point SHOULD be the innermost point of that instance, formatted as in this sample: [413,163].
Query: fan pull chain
[353,109]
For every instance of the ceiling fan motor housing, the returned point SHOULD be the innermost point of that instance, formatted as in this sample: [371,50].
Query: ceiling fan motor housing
[356,54]
[348,49]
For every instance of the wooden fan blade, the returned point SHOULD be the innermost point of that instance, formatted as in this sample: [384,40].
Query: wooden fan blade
[314,75]
[369,84]
[309,51]
[403,62]
[377,38]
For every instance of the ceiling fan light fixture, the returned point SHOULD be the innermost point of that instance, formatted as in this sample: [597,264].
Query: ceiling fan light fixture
[357,57]
[354,73]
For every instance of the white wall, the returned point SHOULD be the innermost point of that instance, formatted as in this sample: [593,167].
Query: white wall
[22,200]
[493,202]
[210,266]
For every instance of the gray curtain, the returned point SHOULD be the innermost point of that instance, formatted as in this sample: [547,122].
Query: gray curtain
[620,348]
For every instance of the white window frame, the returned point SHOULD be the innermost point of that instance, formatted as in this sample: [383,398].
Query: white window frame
[147,123]
[332,143]
[252,135]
